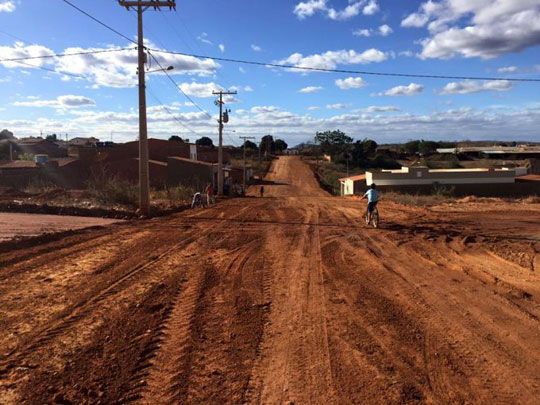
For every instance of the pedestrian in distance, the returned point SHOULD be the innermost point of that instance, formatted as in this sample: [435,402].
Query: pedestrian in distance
[261,190]
[209,191]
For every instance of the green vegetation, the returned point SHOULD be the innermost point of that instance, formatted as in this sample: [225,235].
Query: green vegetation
[26,156]
[113,190]
[204,141]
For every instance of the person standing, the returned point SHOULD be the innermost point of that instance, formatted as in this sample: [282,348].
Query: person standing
[261,190]
[209,191]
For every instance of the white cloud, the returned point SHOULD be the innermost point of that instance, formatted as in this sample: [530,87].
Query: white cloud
[7,6]
[310,89]
[221,47]
[330,59]
[308,8]
[362,33]
[338,106]
[409,90]
[514,122]
[472,86]
[381,108]
[407,54]
[264,109]
[313,108]
[508,69]
[204,38]
[20,50]
[480,28]
[248,89]
[350,83]
[385,30]
[241,69]
[256,48]
[371,8]
[111,69]
[200,89]
[61,102]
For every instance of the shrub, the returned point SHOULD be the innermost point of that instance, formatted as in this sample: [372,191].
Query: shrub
[113,190]
[38,186]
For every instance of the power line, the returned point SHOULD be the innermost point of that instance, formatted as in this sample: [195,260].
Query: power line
[54,71]
[62,55]
[279,65]
[170,113]
[178,87]
[100,22]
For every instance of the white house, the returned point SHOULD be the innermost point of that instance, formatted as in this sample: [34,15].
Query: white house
[423,175]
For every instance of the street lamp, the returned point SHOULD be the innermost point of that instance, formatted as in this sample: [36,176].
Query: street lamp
[161,70]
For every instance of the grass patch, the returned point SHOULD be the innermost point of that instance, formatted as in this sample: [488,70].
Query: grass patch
[113,190]
[416,199]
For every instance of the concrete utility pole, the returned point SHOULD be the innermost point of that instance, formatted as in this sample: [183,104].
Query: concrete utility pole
[245,138]
[144,181]
[220,148]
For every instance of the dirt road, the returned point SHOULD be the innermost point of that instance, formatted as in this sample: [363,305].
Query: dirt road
[17,225]
[283,299]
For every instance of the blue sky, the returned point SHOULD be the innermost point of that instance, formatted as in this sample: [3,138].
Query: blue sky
[484,38]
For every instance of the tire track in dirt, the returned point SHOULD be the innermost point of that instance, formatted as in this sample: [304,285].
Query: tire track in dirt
[75,313]
[464,335]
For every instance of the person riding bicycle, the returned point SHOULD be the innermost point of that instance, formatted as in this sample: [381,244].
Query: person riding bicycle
[372,196]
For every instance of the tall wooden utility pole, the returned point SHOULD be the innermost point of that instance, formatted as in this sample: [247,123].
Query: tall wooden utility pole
[245,138]
[220,148]
[144,181]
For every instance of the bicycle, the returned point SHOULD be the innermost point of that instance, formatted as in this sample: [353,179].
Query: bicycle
[374,217]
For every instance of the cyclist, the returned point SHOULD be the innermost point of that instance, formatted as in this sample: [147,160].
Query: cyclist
[372,196]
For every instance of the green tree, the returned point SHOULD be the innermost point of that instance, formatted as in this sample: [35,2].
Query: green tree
[5,134]
[427,147]
[204,141]
[412,147]
[176,138]
[333,142]
[249,145]
[267,144]
[26,156]
[51,137]
[280,145]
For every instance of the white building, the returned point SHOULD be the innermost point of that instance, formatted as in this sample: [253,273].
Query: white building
[423,175]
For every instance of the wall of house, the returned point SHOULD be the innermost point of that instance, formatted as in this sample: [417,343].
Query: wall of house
[423,176]
[190,174]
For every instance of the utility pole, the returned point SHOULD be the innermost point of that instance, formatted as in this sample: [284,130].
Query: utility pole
[245,138]
[220,148]
[67,146]
[144,181]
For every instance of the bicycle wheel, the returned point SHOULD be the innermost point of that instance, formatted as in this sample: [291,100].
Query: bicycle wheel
[375,218]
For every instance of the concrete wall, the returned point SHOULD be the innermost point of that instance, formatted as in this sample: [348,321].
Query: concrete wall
[424,176]
[187,173]
[462,190]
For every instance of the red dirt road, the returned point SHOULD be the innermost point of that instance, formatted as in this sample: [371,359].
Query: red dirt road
[284,299]
[23,225]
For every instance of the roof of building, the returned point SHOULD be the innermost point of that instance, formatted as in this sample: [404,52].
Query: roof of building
[354,178]
[30,141]
[195,162]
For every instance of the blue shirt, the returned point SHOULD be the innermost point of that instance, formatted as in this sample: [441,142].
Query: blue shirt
[372,195]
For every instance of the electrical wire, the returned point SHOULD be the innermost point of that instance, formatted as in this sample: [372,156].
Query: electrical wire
[178,87]
[284,66]
[62,55]
[170,112]
[54,71]
[99,22]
